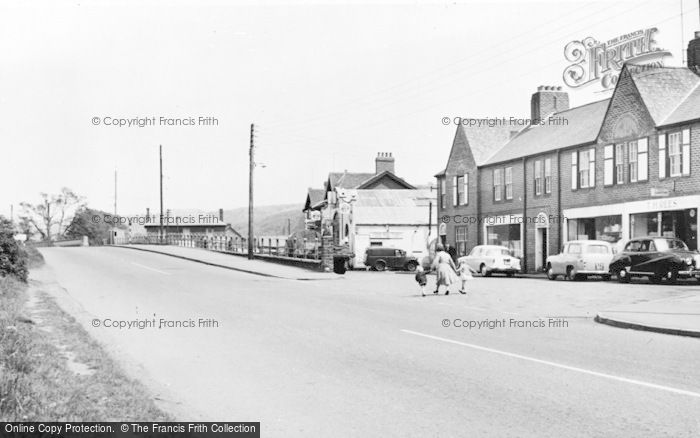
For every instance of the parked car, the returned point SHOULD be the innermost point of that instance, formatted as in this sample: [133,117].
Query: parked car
[489,259]
[579,259]
[381,258]
[657,258]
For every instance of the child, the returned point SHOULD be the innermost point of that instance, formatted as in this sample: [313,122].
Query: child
[421,279]
[465,274]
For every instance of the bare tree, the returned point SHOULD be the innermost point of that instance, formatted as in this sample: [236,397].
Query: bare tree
[53,213]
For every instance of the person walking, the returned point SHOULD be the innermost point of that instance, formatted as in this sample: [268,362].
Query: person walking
[465,274]
[445,268]
[421,279]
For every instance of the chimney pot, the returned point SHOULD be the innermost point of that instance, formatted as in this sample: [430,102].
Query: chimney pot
[697,34]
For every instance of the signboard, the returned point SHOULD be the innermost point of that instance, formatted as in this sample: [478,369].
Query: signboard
[344,208]
[442,229]
[594,61]
[315,215]
[659,192]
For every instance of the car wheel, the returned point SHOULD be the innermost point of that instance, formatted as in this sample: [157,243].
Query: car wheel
[379,265]
[510,274]
[672,276]
[550,273]
[607,277]
[571,274]
[483,271]
[411,266]
[623,276]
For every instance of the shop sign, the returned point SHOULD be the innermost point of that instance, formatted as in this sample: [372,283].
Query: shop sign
[659,192]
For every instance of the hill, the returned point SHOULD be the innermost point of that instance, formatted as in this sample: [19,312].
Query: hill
[270,220]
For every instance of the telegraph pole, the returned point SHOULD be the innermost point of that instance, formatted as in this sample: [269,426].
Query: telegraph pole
[160,240]
[250,191]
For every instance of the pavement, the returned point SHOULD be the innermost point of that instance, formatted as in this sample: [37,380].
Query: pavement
[678,315]
[236,262]
[368,356]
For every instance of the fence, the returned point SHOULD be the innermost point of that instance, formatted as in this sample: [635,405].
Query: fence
[307,249]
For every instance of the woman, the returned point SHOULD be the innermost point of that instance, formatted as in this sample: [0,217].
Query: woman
[445,268]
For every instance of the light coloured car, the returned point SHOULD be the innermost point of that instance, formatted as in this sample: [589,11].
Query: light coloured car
[579,259]
[489,259]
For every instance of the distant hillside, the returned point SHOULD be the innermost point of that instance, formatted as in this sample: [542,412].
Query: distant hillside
[270,220]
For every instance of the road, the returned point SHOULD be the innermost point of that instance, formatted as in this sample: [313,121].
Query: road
[368,356]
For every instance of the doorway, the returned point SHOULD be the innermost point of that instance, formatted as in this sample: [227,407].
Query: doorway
[541,248]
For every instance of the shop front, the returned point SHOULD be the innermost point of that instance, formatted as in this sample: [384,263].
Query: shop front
[505,231]
[617,223]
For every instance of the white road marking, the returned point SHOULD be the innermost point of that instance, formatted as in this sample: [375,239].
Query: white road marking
[558,365]
[151,269]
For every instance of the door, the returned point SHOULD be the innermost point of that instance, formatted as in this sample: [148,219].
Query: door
[541,248]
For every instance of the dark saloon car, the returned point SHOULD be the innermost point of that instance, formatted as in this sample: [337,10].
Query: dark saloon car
[381,258]
[657,258]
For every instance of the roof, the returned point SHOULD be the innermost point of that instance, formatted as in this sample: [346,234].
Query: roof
[688,110]
[582,127]
[386,174]
[314,197]
[485,141]
[393,207]
[663,89]
[348,180]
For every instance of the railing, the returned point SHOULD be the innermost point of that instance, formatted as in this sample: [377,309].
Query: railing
[308,249]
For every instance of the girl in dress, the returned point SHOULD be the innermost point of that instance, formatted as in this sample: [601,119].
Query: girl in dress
[465,274]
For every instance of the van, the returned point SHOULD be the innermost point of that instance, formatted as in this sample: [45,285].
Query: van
[382,258]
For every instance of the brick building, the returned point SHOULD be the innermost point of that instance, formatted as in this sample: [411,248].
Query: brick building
[614,169]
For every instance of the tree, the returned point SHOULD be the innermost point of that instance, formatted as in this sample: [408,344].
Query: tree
[51,216]
[84,224]
[13,259]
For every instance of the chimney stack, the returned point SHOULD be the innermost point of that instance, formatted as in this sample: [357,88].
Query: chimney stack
[221,214]
[384,162]
[694,53]
[547,100]
[148,215]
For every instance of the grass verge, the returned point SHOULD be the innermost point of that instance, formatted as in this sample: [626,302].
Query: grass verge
[52,370]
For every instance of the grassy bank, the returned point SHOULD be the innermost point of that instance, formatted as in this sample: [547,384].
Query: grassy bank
[52,370]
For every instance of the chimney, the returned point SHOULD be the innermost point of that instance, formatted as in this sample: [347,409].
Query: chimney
[148,215]
[221,214]
[547,100]
[694,53]
[384,162]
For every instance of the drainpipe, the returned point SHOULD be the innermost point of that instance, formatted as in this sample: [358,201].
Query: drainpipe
[524,236]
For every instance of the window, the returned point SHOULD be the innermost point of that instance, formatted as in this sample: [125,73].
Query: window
[583,173]
[597,249]
[675,157]
[497,184]
[632,160]
[509,183]
[675,153]
[461,240]
[583,169]
[619,163]
[443,193]
[609,165]
[462,190]
[548,175]
[538,177]
[574,248]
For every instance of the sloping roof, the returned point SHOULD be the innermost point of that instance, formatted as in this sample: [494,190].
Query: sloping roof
[393,207]
[314,197]
[688,110]
[347,180]
[663,89]
[485,141]
[583,125]
[385,174]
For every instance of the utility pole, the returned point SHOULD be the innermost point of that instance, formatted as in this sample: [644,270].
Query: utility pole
[250,191]
[289,227]
[160,240]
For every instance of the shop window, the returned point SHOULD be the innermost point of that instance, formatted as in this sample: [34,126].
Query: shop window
[606,228]
[509,183]
[505,235]
[461,240]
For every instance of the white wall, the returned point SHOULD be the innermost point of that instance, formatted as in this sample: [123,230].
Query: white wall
[410,238]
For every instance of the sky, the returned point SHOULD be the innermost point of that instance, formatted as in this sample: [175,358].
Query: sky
[328,86]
